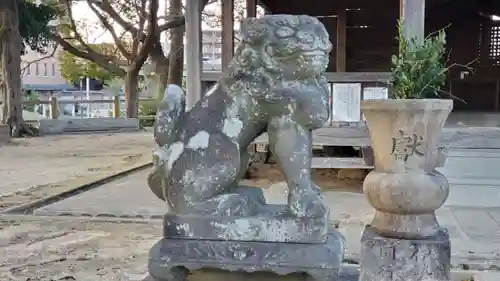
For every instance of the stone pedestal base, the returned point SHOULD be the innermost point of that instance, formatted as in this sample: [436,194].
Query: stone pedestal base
[172,259]
[272,224]
[389,259]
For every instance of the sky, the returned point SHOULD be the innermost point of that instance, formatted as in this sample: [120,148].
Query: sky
[82,13]
[94,34]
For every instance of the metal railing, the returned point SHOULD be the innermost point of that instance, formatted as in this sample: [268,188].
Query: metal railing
[346,92]
[115,104]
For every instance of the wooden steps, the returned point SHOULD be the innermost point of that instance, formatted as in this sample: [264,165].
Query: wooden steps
[356,135]
[341,134]
[339,163]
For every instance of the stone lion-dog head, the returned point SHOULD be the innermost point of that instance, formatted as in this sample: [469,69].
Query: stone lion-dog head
[278,49]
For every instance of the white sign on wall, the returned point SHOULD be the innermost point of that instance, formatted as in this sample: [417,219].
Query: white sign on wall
[374,93]
[346,99]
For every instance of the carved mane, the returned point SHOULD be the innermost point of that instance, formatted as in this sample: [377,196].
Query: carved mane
[271,48]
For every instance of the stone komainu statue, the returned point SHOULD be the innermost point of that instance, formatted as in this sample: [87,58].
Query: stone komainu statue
[274,83]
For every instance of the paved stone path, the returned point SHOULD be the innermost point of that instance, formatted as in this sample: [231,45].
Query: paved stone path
[475,232]
[126,197]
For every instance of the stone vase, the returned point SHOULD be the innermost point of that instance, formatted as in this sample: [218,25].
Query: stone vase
[404,188]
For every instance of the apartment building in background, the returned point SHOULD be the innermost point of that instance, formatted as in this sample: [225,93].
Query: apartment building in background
[211,48]
[42,73]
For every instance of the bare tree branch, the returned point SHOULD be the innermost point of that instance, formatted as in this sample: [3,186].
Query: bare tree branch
[90,52]
[151,36]
[142,22]
[91,56]
[109,27]
[105,5]
[115,52]
[172,23]
[73,26]
[142,26]
[99,36]
[138,8]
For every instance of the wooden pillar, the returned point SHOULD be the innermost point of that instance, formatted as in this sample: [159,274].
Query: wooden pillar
[53,108]
[193,49]
[412,13]
[497,95]
[341,39]
[116,107]
[251,8]
[227,32]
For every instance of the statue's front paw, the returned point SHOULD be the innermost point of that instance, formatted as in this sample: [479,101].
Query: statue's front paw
[155,183]
[307,204]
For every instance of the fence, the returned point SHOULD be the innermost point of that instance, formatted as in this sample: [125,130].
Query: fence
[54,105]
[346,92]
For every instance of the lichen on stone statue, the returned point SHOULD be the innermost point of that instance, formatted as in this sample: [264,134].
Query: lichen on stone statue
[274,84]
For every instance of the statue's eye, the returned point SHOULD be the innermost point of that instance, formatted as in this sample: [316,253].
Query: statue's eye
[284,32]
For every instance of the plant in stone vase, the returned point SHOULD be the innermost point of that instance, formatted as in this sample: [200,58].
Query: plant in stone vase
[419,70]
[405,188]
[405,132]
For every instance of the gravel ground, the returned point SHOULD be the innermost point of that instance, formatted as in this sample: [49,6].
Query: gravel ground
[37,167]
[46,249]
[55,249]
[63,248]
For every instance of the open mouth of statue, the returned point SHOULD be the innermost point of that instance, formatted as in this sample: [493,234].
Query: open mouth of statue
[316,58]
[309,57]
[313,53]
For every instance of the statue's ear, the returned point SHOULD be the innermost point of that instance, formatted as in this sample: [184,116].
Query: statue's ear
[253,30]
[246,56]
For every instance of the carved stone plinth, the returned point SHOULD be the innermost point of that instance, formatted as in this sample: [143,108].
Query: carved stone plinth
[273,224]
[388,259]
[172,259]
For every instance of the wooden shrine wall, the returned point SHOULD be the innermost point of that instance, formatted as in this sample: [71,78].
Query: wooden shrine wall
[371,38]
[370,42]
[371,30]
[472,39]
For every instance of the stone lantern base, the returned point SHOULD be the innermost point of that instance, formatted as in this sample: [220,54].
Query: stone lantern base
[394,259]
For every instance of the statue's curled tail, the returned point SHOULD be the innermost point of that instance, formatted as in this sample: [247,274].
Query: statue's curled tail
[170,112]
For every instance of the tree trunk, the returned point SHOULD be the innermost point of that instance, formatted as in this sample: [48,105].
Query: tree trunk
[161,63]
[10,41]
[4,112]
[176,55]
[132,93]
